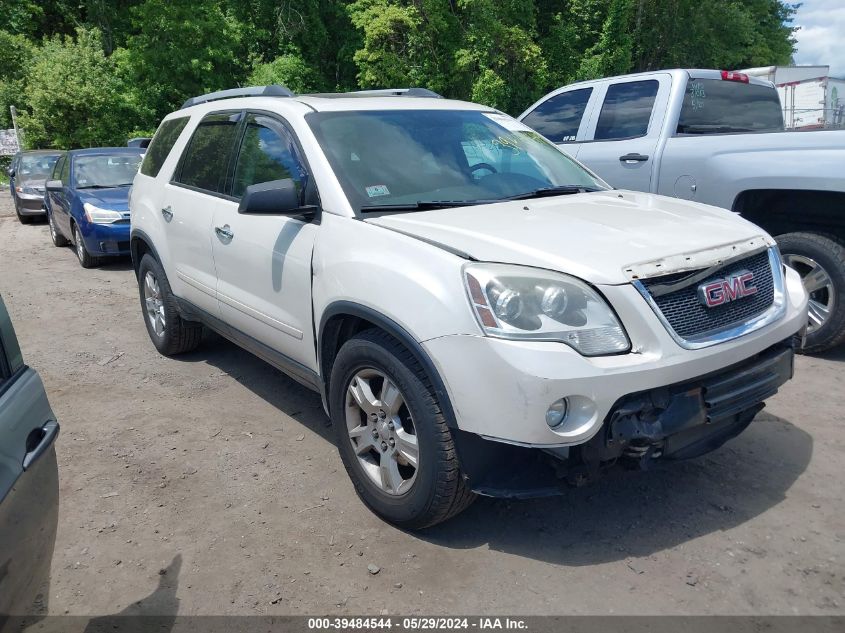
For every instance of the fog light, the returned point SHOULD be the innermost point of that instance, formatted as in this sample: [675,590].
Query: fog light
[556,413]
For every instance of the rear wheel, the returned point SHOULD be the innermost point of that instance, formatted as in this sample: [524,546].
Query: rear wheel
[392,434]
[169,332]
[55,235]
[86,260]
[820,260]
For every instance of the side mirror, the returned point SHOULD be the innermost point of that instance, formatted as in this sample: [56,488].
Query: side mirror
[11,172]
[277,197]
[53,185]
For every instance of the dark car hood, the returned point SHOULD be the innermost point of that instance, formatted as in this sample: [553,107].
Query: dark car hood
[113,198]
[34,183]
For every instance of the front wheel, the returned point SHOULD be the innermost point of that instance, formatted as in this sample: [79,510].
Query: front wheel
[86,259]
[23,219]
[820,260]
[392,434]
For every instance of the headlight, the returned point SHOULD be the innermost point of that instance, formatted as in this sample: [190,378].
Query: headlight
[101,216]
[32,191]
[516,302]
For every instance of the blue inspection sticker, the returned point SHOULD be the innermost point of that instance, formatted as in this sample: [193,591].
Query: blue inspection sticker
[374,191]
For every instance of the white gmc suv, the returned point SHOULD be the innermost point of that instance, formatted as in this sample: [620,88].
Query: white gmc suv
[480,313]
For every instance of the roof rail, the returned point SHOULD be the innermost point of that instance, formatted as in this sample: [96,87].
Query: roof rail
[251,91]
[383,92]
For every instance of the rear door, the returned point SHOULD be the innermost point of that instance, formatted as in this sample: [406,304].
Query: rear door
[622,136]
[563,117]
[190,201]
[29,485]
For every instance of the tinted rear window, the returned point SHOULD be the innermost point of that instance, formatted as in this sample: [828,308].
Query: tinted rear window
[206,158]
[714,106]
[559,118]
[160,146]
[626,110]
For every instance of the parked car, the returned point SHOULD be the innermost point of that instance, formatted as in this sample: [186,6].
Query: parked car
[29,480]
[27,175]
[717,137]
[87,202]
[480,313]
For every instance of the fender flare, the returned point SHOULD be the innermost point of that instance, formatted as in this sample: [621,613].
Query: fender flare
[140,235]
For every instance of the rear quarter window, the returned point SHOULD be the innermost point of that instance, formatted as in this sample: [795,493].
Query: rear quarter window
[163,141]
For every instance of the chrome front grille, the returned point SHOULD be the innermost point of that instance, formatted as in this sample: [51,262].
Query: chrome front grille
[686,315]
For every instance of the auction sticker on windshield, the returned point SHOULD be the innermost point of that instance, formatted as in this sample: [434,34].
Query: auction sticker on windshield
[374,191]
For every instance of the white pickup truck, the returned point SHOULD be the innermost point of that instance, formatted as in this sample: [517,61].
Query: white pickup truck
[717,137]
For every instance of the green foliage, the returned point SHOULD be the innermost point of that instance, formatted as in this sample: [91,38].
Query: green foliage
[289,70]
[74,95]
[84,72]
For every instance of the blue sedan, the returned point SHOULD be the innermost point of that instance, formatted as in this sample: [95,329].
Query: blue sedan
[87,201]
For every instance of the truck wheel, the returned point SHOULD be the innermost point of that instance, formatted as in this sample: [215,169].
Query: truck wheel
[392,435]
[820,260]
[169,332]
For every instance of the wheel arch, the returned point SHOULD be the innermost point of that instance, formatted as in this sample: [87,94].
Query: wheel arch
[139,245]
[341,320]
[781,211]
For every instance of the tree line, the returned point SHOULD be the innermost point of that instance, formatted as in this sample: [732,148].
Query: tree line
[96,72]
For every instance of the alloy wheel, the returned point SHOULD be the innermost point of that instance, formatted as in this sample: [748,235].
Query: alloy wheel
[381,431]
[80,245]
[819,286]
[154,304]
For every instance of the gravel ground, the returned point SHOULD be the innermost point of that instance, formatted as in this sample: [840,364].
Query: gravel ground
[210,485]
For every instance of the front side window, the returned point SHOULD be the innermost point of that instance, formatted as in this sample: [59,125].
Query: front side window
[101,171]
[714,106]
[406,157]
[58,168]
[626,110]
[267,153]
[559,117]
[36,166]
[206,157]
[163,141]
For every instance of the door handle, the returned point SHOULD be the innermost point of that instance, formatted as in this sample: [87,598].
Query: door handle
[224,232]
[167,212]
[633,158]
[46,435]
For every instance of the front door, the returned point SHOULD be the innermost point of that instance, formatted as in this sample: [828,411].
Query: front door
[264,261]
[29,483]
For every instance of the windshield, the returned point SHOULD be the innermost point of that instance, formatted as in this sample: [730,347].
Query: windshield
[404,157]
[105,170]
[37,166]
[714,106]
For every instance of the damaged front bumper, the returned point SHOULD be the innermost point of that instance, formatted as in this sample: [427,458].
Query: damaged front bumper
[678,421]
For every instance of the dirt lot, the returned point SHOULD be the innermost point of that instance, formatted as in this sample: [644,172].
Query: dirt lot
[210,485]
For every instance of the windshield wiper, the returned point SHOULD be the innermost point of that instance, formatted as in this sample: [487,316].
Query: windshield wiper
[560,190]
[98,186]
[423,205]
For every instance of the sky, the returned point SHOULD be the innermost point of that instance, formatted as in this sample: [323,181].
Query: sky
[821,38]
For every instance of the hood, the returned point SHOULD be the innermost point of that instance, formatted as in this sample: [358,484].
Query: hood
[607,237]
[33,183]
[114,198]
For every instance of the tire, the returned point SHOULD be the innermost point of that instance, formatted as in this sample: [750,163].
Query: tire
[824,256]
[86,260]
[176,335]
[55,235]
[436,490]
[23,219]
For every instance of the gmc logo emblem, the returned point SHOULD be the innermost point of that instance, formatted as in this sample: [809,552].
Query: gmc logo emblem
[722,291]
